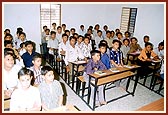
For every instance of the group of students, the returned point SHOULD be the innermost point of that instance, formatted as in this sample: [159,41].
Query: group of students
[22,63]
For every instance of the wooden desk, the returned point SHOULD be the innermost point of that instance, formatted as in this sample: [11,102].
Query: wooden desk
[6,102]
[134,55]
[70,108]
[157,105]
[111,76]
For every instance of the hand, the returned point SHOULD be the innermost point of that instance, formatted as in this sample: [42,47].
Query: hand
[67,68]
[148,59]
[95,69]
[62,52]
[8,92]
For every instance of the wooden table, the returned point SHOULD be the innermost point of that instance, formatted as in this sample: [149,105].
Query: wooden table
[157,105]
[134,55]
[111,76]
[6,102]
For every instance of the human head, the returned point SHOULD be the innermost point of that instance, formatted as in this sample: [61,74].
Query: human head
[72,30]
[44,27]
[161,46]
[97,26]
[37,60]
[105,42]
[7,31]
[117,30]
[22,36]
[48,74]
[112,34]
[22,45]
[126,42]
[105,27]
[53,35]
[134,40]
[116,44]
[63,27]
[75,35]
[59,29]
[54,25]
[20,29]
[146,39]
[64,37]
[29,46]
[82,27]
[8,44]
[148,46]
[67,32]
[108,34]
[119,35]
[9,59]
[127,34]
[86,40]
[25,77]
[99,33]
[88,35]
[47,31]
[8,37]
[95,54]
[80,39]
[72,41]
[89,31]
[102,47]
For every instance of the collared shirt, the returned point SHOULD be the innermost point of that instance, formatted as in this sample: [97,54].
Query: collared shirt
[11,77]
[23,100]
[62,46]
[125,50]
[52,44]
[50,93]
[134,48]
[59,37]
[116,56]
[79,45]
[144,54]
[109,41]
[97,40]
[159,53]
[27,58]
[105,60]
[82,32]
[72,54]
[86,49]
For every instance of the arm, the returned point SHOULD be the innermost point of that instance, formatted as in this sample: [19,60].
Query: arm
[89,68]
[60,100]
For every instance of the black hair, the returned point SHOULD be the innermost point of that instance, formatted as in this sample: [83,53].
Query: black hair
[113,31]
[161,43]
[102,45]
[52,32]
[44,26]
[59,27]
[117,29]
[99,31]
[72,29]
[67,31]
[134,38]
[108,32]
[20,29]
[21,45]
[148,43]
[7,34]
[115,40]
[81,26]
[118,33]
[96,26]
[37,56]
[20,33]
[103,41]
[46,69]
[24,71]
[126,40]
[6,42]
[28,43]
[93,52]
[47,30]
[7,30]
[146,36]
[105,26]
[72,37]
[9,51]
[80,36]
[54,24]
[128,33]
[64,25]
[91,27]
[64,35]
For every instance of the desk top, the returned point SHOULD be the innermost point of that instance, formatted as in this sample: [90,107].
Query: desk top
[79,62]
[134,53]
[115,71]
[65,108]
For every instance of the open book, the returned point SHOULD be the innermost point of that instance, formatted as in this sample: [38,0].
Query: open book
[99,72]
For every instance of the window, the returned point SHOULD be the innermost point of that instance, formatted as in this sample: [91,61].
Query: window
[128,18]
[50,13]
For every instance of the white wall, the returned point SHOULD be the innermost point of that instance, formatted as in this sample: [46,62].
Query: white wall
[150,18]
[26,16]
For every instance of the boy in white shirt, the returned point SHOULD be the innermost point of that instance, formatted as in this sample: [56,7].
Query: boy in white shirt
[59,34]
[63,45]
[54,25]
[109,39]
[79,42]
[86,48]
[98,38]
[82,31]
[105,27]
[160,50]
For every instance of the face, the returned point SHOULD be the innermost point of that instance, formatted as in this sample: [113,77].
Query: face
[86,41]
[126,43]
[134,41]
[45,28]
[72,32]
[119,36]
[112,34]
[116,45]
[29,47]
[161,47]
[82,28]
[8,38]
[49,76]
[25,81]
[67,33]
[53,36]
[8,61]
[72,42]
[97,27]
[146,39]
[149,48]
[9,46]
[47,32]
[126,35]
[54,25]
[37,62]
[108,35]
[59,30]
[105,28]
[79,39]
[102,50]
[99,34]
[96,57]
[89,31]
[63,27]
[65,38]
[22,37]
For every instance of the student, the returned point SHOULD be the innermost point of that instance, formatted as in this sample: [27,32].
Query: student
[75,35]
[52,43]
[119,37]
[22,49]
[67,32]
[82,30]
[79,42]
[22,38]
[59,34]
[134,46]
[8,44]
[116,54]
[63,45]
[50,90]
[89,31]
[145,39]
[43,34]
[86,48]
[92,66]
[63,28]
[26,97]
[45,38]
[28,55]
[98,38]
[104,57]
[54,25]
[112,36]
[125,49]
[8,37]
[96,28]
[7,31]
[108,38]
[104,32]
[160,50]
[127,35]
[72,31]
[10,71]
[107,47]
[72,54]
[117,30]
[36,68]
[145,58]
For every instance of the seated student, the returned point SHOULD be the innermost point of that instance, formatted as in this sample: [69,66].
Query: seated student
[119,37]
[79,42]
[98,38]
[104,32]
[50,90]
[112,36]
[92,66]
[67,32]
[8,44]
[82,30]
[125,49]
[43,33]
[108,38]
[22,49]
[59,34]
[96,28]
[134,46]
[10,71]
[104,57]
[44,41]
[63,45]
[63,28]
[22,38]
[28,55]
[127,35]
[86,48]
[145,58]
[107,49]
[36,68]
[54,25]
[72,31]
[145,39]
[75,35]
[89,31]
[7,31]
[26,97]
[160,50]
[72,54]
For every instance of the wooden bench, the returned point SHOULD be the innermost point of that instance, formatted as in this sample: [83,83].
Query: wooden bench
[157,105]
[80,80]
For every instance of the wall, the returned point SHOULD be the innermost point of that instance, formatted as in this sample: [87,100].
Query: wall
[26,16]
[150,18]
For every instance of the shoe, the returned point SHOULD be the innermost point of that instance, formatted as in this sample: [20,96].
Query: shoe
[103,103]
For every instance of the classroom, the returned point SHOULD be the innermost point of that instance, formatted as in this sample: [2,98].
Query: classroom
[83,57]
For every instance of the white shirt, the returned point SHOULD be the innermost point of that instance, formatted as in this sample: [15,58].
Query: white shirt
[104,34]
[125,50]
[52,44]
[21,99]
[79,45]
[97,40]
[72,54]
[159,53]
[62,46]
[11,77]
[82,32]
[109,41]
[59,37]
[22,51]
[86,49]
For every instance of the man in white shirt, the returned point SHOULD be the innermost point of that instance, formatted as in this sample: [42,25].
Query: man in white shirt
[54,25]
[82,31]
[59,34]
[104,31]
[160,50]
[109,39]
[63,45]
[98,38]
[72,54]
